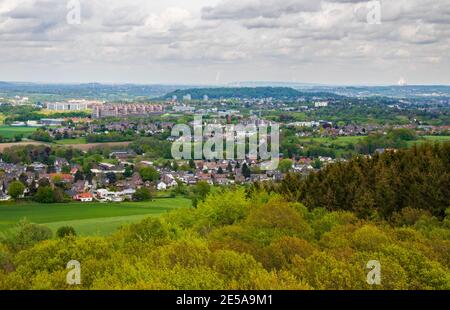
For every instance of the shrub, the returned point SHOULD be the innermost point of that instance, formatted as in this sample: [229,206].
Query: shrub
[65,231]
[142,194]
[16,189]
[27,234]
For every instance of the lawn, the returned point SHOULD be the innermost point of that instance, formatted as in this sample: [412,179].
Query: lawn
[343,141]
[10,132]
[88,219]
[340,141]
[437,138]
[432,139]
[71,141]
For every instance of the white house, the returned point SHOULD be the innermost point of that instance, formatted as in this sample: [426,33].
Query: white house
[161,186]
[106,195]
[5,197]
[85,197]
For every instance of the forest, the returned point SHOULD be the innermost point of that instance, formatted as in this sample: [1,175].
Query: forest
[378,186]
[248,93]
[315,233]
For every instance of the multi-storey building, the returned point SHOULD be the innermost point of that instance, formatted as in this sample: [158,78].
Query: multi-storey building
[120,110]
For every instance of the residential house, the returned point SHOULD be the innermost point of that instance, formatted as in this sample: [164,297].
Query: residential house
[84,197]
[106,195]
[161,186]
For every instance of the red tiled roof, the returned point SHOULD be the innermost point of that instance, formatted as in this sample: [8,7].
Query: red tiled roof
[84,195]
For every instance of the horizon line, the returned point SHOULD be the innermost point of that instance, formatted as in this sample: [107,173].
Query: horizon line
[225,85]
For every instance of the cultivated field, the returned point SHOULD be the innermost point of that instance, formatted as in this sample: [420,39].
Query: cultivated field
[71,141]
[10,132]
[76,144]
[88,219]
[88,146]
[4,146]
[343,141]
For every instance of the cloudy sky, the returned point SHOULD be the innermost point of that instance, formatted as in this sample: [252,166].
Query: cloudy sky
[221,41]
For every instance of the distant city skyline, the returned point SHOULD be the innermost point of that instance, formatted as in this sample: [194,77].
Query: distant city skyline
[217,42]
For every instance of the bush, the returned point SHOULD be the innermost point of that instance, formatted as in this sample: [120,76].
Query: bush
[142,194]
[28,234]
[149,174]
[46,194]
[66,231]
[16,189]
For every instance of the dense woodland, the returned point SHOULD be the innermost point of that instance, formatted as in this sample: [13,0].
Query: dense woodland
[379,186]
[315,233]
[248,93]
[25,113]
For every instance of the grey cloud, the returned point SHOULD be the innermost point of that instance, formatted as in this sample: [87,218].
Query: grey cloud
[240,36]
[236,9]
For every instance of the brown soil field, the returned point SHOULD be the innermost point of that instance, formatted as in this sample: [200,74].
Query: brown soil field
[88,146]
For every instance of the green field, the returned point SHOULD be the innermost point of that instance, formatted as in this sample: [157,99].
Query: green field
[88,219]
[429,139]
[437,138]
[341,141]
[71,141]
[9,132]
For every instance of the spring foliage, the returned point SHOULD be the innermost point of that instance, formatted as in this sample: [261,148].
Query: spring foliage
[392,208]
[242,240]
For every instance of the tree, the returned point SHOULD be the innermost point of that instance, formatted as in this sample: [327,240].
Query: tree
[128,171]
[142,194]
[23,178]
[18,137]
[66,169]
[199,192]
[379,186]
[229,167]
[41,135]
[317,164]
[175,166]
[285,165]
[246,172]
[44,195]
[28,234]
[202,188]
[16,189]
[149,174]
[58,195]
[89,177]
[180,189]
[65,231]
[44,182]
[78,176]
[51,169]
[57,179]
[111,177]
[192,164]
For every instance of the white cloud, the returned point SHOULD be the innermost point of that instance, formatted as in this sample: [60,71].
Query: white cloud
[326,41]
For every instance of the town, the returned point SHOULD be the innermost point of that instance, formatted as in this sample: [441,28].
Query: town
[119,151]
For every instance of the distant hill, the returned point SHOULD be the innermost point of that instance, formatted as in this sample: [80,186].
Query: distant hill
[249,93]
[88,90]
